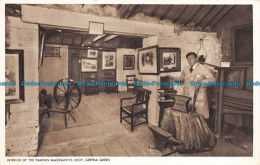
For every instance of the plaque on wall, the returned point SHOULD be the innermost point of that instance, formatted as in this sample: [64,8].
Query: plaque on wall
[52,51]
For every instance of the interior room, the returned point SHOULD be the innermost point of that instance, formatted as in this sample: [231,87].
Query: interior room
[66,55]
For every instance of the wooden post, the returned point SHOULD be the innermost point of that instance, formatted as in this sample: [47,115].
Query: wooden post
[220,104]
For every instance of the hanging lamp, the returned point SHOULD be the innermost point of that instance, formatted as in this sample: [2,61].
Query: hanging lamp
[202,53]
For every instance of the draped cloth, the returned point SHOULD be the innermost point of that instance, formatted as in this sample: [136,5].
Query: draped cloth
[189,128]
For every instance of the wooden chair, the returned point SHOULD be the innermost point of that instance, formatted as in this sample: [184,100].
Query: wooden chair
[91,89]
[130,79]
[110,77]
[139,108]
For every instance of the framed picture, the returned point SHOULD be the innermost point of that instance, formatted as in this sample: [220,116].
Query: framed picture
[52,51]
[170,59]
[88,65]
[109,60]
[92,53]
[242,45]
[96,28]
[129,62]
[148,60]
[14,75]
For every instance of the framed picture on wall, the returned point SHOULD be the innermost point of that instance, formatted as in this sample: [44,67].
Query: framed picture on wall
[14,75]
[242,45]
[170,59]
[88,65]
[129,62]
[148,60]
[92,53]
[109,60]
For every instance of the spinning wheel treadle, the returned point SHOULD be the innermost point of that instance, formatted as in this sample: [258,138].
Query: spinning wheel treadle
[67,95]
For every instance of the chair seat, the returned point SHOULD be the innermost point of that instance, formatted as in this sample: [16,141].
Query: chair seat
[137,109]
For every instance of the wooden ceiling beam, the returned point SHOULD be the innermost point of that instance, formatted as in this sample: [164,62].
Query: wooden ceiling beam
[223,16]
[193,15]
[214,17]
[154,10]
[132,11]
[206,15]
[99,37]
[180,14]
[166,11]
[110,38]
[128,42]
[84,38]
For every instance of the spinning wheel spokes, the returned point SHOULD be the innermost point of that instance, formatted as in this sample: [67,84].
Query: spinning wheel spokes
[67,97]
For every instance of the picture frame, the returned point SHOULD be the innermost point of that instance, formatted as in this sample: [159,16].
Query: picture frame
[148,61]
[14,75]
[92,53]
[108,60]
[88,65]
[129,62]
[242,45]
[51,51]
[170,59]
[96,28]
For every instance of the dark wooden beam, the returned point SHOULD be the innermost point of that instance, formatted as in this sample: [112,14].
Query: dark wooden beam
[103,5]
[84,38]
[128,42]
[193,14]
[131,11]
[180,14]
[154,10]
[205,15]
[214,17]
[224,16]
[166,11]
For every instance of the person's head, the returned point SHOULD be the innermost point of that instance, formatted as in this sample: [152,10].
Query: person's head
[191,58]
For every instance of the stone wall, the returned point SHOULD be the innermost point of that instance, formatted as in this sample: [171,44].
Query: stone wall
[21,132]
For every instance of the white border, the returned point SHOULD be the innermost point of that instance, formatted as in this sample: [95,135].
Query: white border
[150,160]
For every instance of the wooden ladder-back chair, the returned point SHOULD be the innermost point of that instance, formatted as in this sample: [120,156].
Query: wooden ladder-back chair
[139,108]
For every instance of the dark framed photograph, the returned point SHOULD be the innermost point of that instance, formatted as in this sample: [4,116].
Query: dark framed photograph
[148,60]
[109,60]
[88,65]
[14,75]
[170,59]
[129,62]
[92,53]
[242,45]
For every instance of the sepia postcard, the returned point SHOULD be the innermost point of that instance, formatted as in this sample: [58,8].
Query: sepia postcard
[138,82]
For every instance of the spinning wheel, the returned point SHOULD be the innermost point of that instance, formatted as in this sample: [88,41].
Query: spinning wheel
[67,94]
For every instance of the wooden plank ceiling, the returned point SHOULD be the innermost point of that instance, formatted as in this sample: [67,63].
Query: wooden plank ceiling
[199,15]
[193,17]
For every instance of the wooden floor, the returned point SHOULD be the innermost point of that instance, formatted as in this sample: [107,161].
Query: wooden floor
[97,131]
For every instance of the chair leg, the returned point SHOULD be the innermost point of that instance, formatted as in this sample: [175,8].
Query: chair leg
[120,115]
[65,119]
[132,123]
[146,117]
